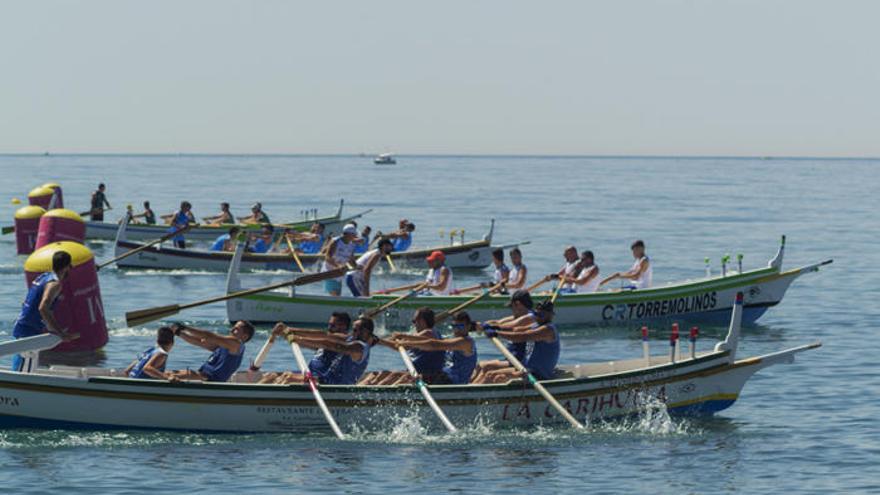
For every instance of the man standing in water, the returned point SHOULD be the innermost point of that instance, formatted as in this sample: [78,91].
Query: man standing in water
[99,200]
[640,274]
[37,312]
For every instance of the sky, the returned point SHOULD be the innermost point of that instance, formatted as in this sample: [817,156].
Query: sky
[625,77]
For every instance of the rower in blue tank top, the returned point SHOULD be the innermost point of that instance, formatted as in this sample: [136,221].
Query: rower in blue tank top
[151,363]
[428,363]
[521,319]
[363,243]
[312,241]
[543,348]
[403,237]
[226,241]
[227,351]
[180,219]
[460,350]
[37,311]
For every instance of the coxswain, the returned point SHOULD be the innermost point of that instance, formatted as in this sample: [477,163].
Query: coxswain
[257,215]
[439,278]
[362,245]
[428,364]
[226,242]
[521,315]
[338,253]
[641,273]
[263,242]
[151,363]
[516,279]
[461,351]
[222,218]
[99,200]
[178,220]
[542,349]
[148,215]
[37,311]
[227,351]
[587,279]
[339,326]
[352,353]
[358,280]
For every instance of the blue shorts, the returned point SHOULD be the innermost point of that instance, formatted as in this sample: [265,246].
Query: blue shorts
[333,286]
[353,286]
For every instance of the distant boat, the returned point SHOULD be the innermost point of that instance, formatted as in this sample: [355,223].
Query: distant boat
[384,159]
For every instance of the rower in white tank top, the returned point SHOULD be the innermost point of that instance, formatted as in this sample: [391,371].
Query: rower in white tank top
[570,270]
[433,278]
[344,251]
[643,281]
[591,285]
[514,273]
[362,263]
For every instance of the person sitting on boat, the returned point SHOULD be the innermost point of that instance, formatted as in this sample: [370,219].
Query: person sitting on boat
[352,353]
[571,266]
[428,364]
[542,349]
[516,278]
[263,243]
[587,279]
[37,314]
[339,326]
[461,352]
[402,237]
[522,316]
[178,220]
[257,215]
[99,200]
[439,278]
[500,276]
[310,242]
[151,363]
[148,215]
[224,217]
[227,351]
[641,273]
[363,242]
[339,252]
[226,242]
[358,281]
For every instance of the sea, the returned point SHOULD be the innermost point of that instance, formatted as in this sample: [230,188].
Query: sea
[807,427]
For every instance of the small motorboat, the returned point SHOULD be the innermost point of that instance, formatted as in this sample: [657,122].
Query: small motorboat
[384,159]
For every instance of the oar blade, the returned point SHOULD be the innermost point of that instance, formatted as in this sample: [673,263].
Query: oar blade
[141,316]
[8,230]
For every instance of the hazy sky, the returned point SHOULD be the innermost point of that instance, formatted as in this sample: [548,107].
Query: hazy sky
[615,77]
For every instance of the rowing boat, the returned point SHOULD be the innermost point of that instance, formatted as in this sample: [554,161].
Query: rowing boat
[472,255]
[203,233]
[100,398]
[702,300]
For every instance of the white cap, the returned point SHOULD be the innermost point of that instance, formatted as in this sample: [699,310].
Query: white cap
[350,229]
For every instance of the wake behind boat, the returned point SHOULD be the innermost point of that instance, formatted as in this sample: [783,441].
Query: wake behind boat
[698,300]
[98,398]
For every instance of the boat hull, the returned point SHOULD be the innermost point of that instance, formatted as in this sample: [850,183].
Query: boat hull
[703,385]
[706,300]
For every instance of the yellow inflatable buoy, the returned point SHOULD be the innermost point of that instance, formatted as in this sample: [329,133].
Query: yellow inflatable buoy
[16,201]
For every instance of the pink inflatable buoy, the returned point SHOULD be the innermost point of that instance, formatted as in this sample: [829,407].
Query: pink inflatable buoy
[59,196]
[27,224]
[60,225]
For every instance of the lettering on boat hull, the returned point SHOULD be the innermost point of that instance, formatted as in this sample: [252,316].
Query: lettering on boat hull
[657,309]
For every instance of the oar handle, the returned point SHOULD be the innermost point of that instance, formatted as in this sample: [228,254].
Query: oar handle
[373,312]
[538,284]
[264,351]
[556,291]
[293,252]
[442,316]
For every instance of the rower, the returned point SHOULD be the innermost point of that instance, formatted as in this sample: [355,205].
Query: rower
[339,252]
[227,351]
[37,311]
[502,272]
[439,276]
[224,217]
[148,215]
[151,363]
[338,326]
[363,243]
[226,242]
[99,200]
[352,353]
[312,241]
[521,305]
[428,364]
[569,269]
[641,273]
[263,242]
[358,281]
[402,237]
[542,353]
[516,279]
[257,215]
[587,279]
[180,219]
[461,351]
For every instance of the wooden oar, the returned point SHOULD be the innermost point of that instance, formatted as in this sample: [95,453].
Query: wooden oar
[8,229]
[313,384]
[377,310]
[535,383]
[142,316]
[89,212]
[446,314]
[556,291]
[264,351]
[538,284]
[390,263]
[398,289]
[293,252]
[147,245]
[423,388]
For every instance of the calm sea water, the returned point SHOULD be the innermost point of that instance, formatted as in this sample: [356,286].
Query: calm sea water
[807,427]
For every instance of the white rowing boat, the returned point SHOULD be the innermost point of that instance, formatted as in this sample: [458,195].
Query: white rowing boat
[706,300]
[469,255]
[204,233]
[97,398]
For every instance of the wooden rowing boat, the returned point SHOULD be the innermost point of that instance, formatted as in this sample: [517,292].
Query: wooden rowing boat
[702,300]
[98,398]
[204,233]
[476,255]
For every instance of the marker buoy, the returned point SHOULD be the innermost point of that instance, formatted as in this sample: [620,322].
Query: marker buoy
[59,197]
[60,225]
[41,196]
[694,332]
[27,224]
[79,308]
